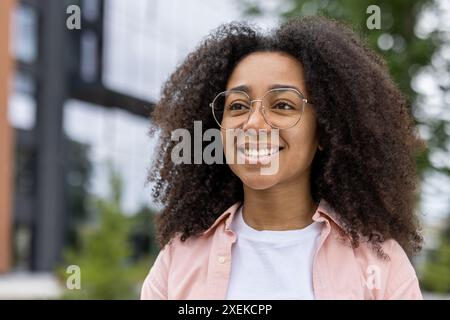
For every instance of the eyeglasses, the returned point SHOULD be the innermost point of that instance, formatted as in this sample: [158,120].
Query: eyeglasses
[282,108]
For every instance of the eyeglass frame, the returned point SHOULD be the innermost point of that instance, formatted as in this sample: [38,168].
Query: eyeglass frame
[304,100]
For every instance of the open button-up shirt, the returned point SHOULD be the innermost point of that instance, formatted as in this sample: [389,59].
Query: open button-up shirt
[199,268]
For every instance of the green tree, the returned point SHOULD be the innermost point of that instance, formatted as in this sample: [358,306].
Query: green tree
[78,173]
[143,233]
[105,255]
[436,274]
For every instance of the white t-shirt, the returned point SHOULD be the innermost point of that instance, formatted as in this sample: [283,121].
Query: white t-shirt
[272,264]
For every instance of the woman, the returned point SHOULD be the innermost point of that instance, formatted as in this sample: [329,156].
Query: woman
[335,220]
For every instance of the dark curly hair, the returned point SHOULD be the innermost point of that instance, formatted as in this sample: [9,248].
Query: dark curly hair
[366,171]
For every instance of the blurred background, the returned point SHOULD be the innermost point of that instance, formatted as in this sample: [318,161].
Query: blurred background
[74,116]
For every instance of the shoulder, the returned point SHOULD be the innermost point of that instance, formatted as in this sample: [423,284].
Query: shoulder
[173,262]
[396,258]
[390,278]
[182,250]
[194,249]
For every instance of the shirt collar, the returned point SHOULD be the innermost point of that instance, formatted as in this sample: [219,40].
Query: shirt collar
[227,216]
[324,212]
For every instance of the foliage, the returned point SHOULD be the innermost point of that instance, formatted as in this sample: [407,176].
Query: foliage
[109,267]
[436,274]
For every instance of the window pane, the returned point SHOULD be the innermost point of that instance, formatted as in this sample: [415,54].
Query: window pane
[25,33]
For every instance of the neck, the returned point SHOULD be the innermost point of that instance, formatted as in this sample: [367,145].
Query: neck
[285,206]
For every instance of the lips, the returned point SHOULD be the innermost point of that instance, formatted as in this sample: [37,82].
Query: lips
[258,153]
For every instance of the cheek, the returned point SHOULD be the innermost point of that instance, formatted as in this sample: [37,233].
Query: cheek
[302,144]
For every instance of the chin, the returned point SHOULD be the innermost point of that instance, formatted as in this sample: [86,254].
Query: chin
[257,181]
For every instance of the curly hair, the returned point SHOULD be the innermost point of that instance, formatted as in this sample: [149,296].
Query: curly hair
[366,170]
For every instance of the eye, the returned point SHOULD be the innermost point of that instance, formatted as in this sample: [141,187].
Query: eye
[237,106]
[282,106]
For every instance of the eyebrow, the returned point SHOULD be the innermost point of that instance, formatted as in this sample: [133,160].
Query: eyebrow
[246,88]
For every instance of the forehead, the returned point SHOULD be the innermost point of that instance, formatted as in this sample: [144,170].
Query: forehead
[260,70]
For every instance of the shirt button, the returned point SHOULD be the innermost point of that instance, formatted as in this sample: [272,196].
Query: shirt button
[221,259]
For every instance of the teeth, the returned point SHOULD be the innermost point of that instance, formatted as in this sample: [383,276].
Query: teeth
[254,153]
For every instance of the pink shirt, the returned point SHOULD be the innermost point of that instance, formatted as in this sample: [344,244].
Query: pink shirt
[199,268]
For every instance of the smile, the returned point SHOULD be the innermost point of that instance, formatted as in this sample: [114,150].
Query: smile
[261,154]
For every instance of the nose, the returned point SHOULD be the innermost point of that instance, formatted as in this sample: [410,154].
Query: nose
[256,119]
